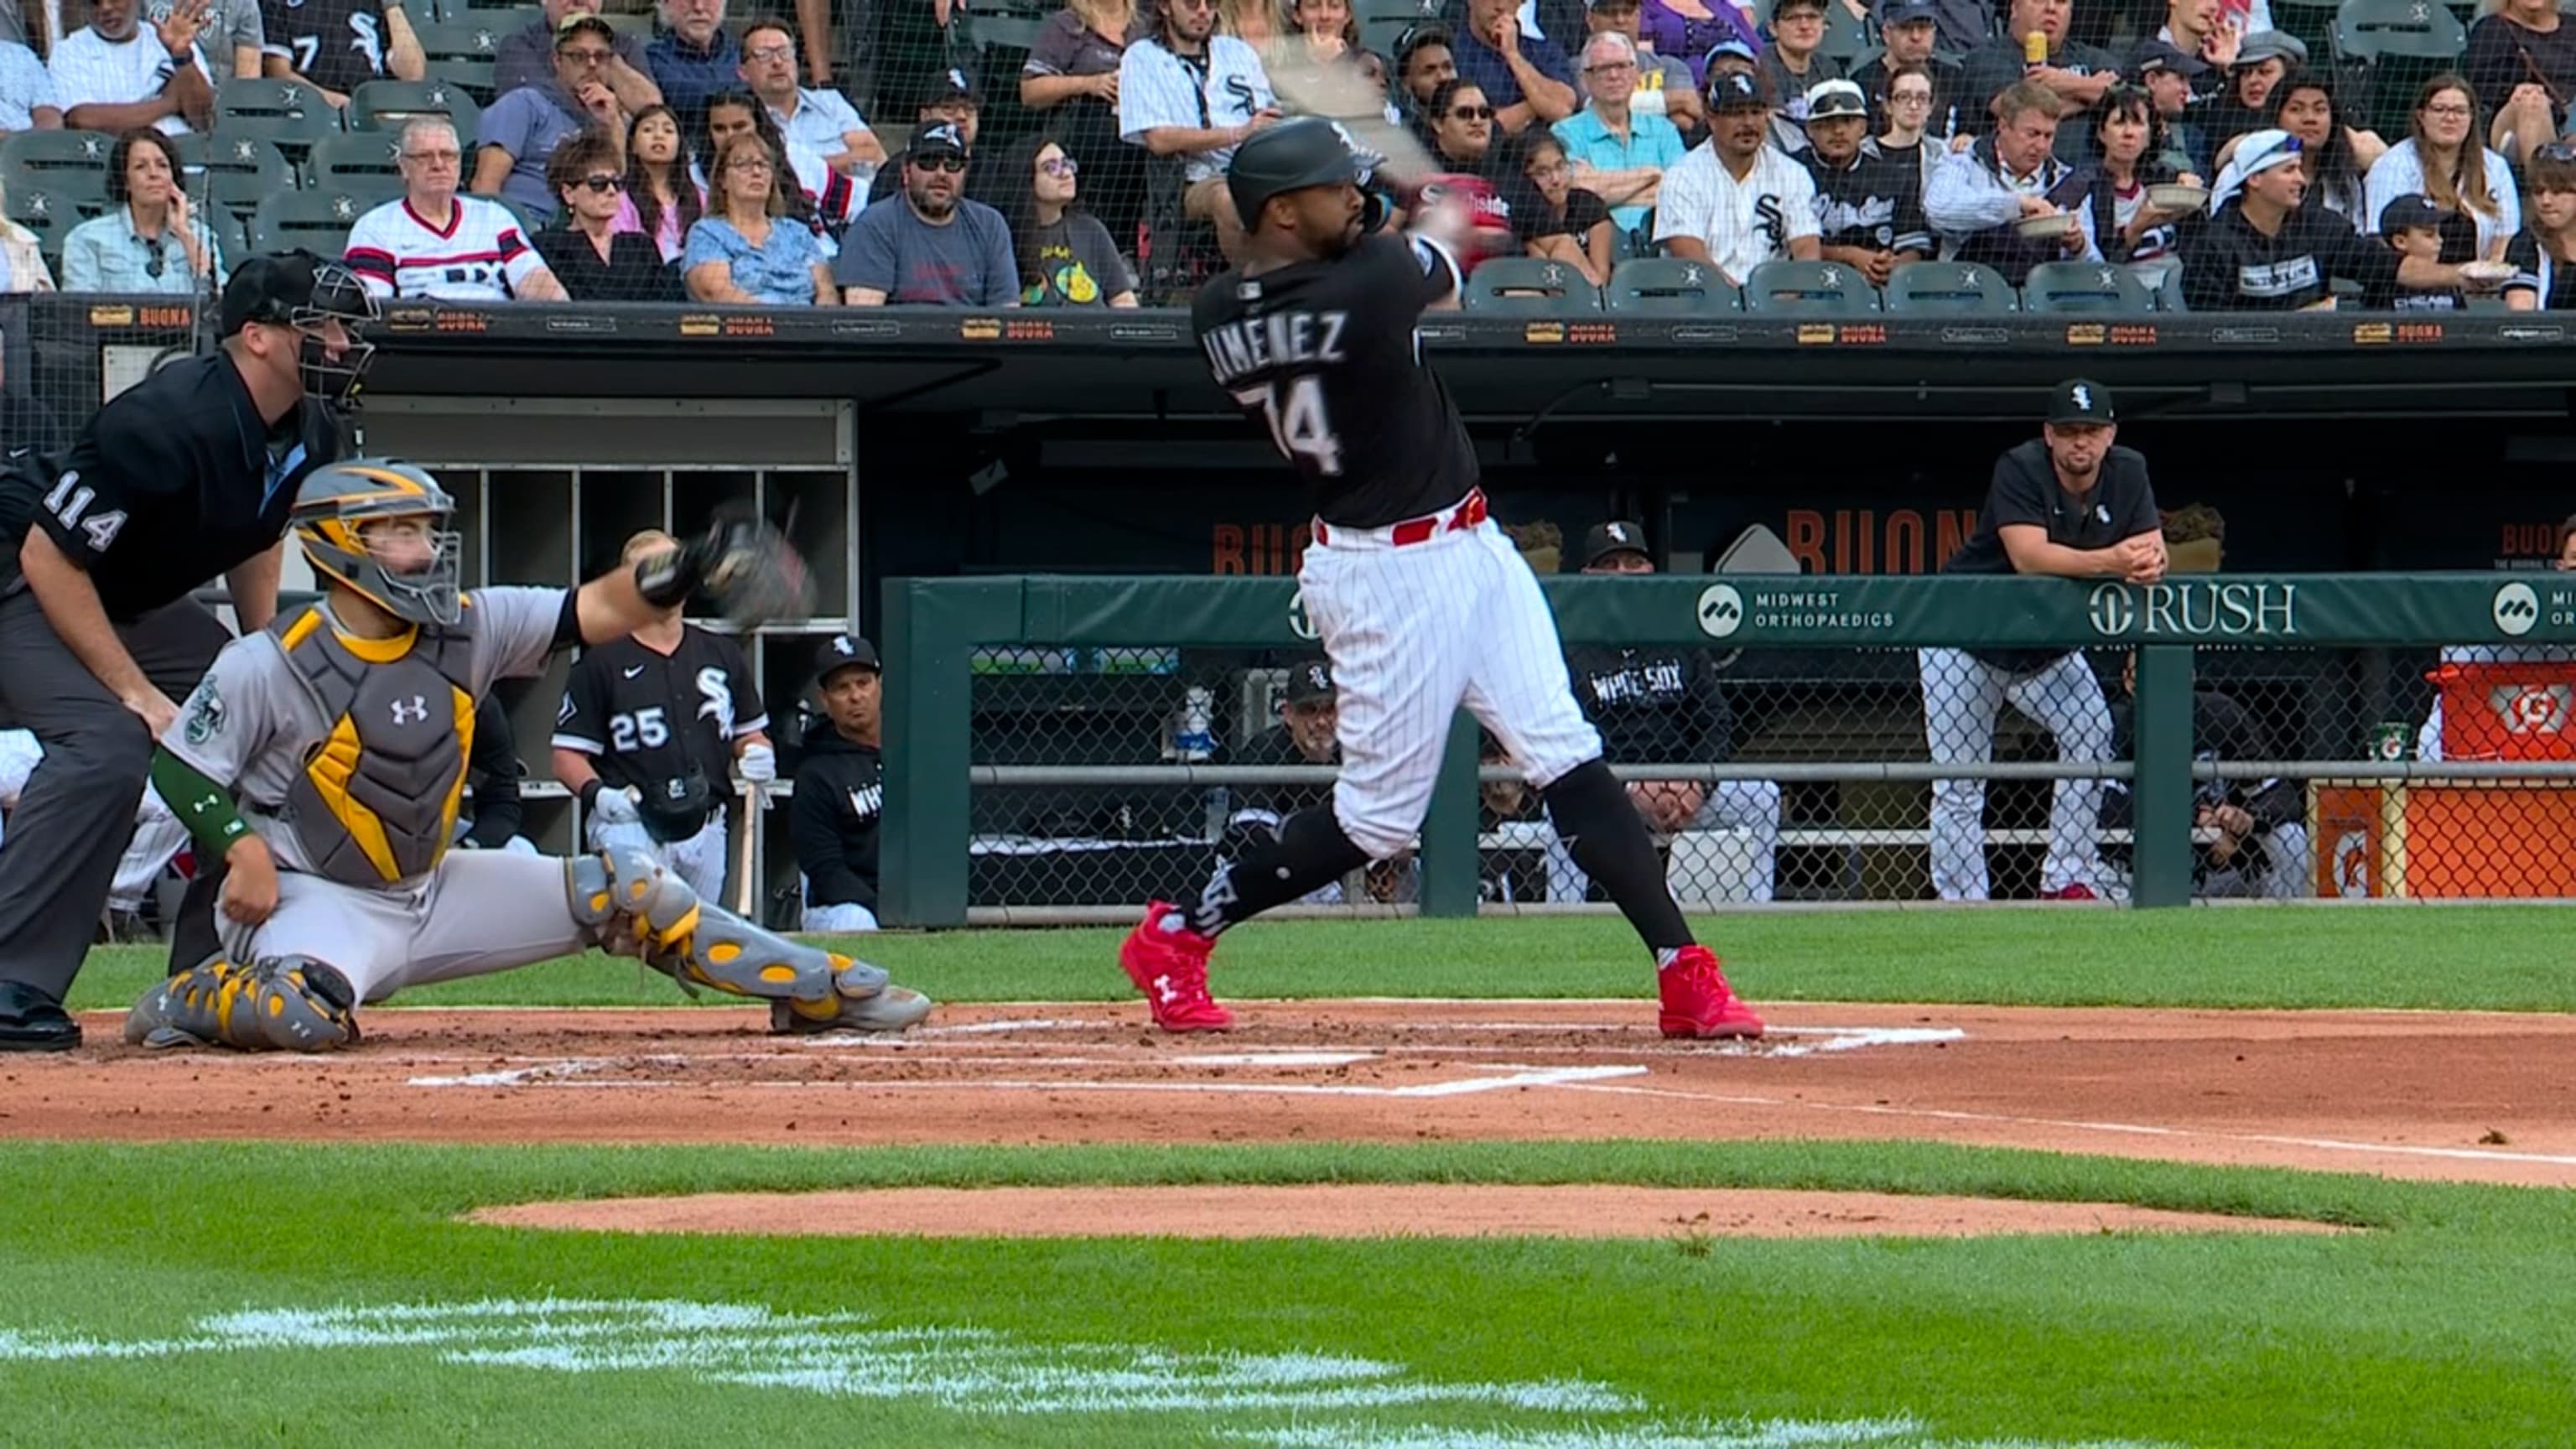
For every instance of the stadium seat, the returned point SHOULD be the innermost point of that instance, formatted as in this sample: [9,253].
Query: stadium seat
[285,112]
[2391,47]
[71,165]
[2169,297]
[232,239]
[1850,41]
[2084,287]
[1532,286]
[384,105]
[49,216]
[355,161]
[235,171]
[318,221]
[1670,287]
[461,52]
[1786,286]
[1950,287]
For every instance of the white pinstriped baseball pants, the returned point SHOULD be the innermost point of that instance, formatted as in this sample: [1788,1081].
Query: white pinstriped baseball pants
[1413,632]
[1961,696]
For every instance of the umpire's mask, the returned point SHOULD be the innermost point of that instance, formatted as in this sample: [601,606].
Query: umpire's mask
[307,293]
[332,510]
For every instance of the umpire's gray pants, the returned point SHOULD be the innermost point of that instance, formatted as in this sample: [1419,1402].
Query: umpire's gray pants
[1961,696]
[70,825]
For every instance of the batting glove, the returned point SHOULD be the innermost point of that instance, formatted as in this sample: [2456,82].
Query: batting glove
[758,764]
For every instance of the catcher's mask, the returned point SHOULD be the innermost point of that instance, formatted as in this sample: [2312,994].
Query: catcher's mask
[332,510]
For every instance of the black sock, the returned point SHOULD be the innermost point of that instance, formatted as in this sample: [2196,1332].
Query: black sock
[1607,837]
[1309,850]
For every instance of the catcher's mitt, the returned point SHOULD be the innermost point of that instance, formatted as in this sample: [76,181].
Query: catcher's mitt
[744,569]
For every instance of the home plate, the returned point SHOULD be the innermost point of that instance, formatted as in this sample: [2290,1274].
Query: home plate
[1275,1059]
[1852,1038]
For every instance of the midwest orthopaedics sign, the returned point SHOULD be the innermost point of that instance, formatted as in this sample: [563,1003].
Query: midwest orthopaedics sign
[2195,609]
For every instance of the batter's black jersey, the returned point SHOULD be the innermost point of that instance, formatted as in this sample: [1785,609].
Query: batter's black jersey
[1324,354]
[336,44]
[648,719]
[2120,504]
[1653,706]
[175,481]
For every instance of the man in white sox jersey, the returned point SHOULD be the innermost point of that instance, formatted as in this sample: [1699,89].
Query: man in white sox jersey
[1421,602]
[648,724]
[2069,504]
[344,731]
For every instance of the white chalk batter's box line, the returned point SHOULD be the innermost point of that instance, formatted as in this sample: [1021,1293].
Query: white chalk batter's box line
[591,1073]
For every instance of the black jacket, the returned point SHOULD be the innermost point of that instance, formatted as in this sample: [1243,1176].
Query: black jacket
[494,772]
[840,798]
[2221,729]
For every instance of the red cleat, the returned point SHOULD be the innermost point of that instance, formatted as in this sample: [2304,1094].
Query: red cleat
[2072,891]
[1697,1001]
[1170,967]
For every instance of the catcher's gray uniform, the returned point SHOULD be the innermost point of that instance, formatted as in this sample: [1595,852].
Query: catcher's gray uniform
[253,724]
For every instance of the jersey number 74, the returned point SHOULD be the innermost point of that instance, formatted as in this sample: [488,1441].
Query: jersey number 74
[1298,426]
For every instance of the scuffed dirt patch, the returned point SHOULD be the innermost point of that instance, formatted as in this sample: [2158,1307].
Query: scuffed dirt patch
[1363,1211]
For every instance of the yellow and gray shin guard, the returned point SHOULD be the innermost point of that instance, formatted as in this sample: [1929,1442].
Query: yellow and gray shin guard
[633,904]
[286,1003]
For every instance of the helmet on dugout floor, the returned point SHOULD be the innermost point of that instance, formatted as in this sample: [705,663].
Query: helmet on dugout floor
[335,504]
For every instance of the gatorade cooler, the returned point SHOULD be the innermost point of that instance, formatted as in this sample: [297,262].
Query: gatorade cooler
[2507,711]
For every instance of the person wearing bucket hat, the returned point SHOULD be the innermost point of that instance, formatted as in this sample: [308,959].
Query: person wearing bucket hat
[2070,504]
[1734,200]
[1869,209]
[2265,252]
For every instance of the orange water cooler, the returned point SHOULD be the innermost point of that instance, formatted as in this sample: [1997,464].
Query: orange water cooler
[2471,838]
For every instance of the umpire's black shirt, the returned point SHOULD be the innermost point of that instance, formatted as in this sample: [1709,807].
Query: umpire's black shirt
[175,481]
[2121,504]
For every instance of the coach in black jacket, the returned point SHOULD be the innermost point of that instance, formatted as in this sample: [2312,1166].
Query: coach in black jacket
[2250,836]
[840,790]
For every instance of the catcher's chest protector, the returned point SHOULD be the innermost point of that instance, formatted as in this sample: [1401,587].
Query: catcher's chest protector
[378,797]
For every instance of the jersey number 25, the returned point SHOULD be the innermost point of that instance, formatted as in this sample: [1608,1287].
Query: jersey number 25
[1298,425]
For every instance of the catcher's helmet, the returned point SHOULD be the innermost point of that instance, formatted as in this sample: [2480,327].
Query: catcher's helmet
[1290,156]
[335,502]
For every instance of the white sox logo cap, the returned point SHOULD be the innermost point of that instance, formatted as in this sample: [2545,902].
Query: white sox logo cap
[2081,400]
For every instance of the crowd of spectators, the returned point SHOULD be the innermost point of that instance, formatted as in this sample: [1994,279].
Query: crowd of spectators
[2207,153]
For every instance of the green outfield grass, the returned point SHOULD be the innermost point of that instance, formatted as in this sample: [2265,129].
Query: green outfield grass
[2505,958]
[2450,1321]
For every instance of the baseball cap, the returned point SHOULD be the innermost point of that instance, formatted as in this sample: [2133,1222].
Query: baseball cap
[933,137]
[577,21]
[1735,91]
[2262,151]
[2265,45]
[2406,213]
[1310,682]
[952,84]
[1907,12]
[844,651]
[1728,50]
[1781,7]
[1616,536]
[1610,4]
[2152,56]
[1837,97]
[267,289]
[2081,400]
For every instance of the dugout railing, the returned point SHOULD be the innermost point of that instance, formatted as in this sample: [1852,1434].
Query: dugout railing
[1074,667]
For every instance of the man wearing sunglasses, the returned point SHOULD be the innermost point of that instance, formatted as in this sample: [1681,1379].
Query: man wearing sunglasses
[2264,252]
[940,247]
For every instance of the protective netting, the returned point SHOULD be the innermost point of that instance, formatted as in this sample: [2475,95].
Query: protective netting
[1810,776]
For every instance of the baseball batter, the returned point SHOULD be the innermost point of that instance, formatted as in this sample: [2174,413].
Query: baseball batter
[346,727]
[2073,504]
[1421,602]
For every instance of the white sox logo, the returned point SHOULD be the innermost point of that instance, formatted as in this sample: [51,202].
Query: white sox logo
[715,694]
[412,711]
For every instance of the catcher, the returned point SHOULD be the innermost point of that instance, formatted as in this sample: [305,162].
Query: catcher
[346,727]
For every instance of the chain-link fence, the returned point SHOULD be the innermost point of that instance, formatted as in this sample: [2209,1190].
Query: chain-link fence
[1781,775]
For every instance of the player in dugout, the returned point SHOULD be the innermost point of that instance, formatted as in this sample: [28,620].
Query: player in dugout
[345,728]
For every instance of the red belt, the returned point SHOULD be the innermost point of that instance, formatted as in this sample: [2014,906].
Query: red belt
[1467,515]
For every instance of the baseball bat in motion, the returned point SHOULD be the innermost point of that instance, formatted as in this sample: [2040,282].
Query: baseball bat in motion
[742,888]
[1337,93]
